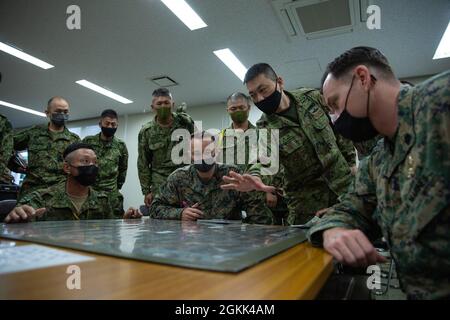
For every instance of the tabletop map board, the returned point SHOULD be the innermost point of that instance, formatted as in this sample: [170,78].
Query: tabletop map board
[210,245]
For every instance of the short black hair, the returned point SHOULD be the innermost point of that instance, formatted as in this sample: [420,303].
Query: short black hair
[75,146]
[370,57]
[162,92]
[260,68]
[239,95]
[109,113]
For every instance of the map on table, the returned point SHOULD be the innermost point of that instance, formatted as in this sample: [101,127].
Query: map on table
[212,246]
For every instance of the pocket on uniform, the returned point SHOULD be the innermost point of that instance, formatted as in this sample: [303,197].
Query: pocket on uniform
[36,148]
[290,143]
[429,195]
[363,186]
[38,154]
[158,153]
[325,137]
[320,120]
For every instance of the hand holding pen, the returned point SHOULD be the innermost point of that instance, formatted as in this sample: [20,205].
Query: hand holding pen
[191,213]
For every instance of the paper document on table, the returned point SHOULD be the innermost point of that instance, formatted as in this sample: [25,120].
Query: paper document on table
[29,257]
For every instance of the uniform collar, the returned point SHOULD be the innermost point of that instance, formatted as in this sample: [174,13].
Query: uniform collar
[175,121]
[397,148]
[61,199]
[250,126]
[276,121]
[105,142]
[64,132]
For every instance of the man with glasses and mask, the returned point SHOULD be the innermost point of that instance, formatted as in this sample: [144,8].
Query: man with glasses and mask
[193,192]
[72,199]
[402,190]
[155,145]
[316,162]
[45,145]
[112,157]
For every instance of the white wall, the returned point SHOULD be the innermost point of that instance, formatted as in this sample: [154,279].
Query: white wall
[214,116]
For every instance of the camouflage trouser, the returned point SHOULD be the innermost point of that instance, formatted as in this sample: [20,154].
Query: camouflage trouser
[305,202]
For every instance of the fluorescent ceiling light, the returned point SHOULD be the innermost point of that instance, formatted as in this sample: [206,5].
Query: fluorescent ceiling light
[233,63]
[103,91]
[10,105]
[24,56]
[443,50]
[185,13]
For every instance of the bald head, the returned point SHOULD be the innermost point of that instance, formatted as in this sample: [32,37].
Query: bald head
[57,104]
[82,156]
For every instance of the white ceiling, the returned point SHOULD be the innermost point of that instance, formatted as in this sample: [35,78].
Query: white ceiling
[122,42]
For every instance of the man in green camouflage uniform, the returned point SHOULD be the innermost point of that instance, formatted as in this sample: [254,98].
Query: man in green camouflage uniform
[193,192]
[6,142]
[234,146]
[402,190]
[72,199]
[155,145]
[45,145]
[237,144]
[316,161]
[112,158]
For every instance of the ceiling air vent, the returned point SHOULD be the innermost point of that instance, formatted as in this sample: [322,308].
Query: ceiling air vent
[313,19]
[164,81]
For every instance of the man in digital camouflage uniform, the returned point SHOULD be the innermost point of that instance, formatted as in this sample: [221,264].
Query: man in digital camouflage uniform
[45,145]
[112,158]
[402,190]
[193,192]
[155,145]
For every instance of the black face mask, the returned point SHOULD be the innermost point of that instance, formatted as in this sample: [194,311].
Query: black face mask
[204,167]
[108,132]
[59,119]
[270,104]
[87,175]
[353,128]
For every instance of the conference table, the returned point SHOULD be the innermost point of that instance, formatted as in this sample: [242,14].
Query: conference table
[155,259]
